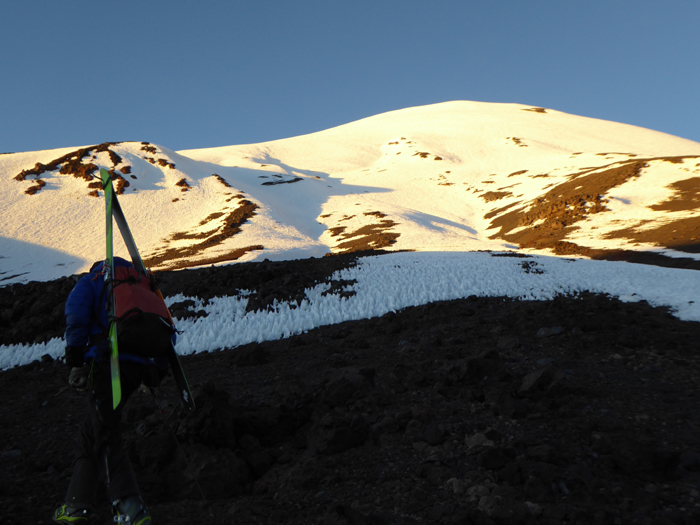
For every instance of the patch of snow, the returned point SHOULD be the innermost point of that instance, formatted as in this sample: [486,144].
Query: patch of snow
[395,281]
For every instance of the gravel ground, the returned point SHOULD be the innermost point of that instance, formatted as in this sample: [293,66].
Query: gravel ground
[476,411]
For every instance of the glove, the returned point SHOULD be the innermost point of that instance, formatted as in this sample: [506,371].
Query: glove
[75,356]
[78,378]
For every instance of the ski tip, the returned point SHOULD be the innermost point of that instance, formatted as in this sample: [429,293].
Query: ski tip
[105,177]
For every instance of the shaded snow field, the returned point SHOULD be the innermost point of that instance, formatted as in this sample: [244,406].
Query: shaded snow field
[391,282]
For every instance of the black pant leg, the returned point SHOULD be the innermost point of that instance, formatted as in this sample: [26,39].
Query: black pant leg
[100,452]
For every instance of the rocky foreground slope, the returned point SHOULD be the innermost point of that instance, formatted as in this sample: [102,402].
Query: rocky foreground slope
[477,411]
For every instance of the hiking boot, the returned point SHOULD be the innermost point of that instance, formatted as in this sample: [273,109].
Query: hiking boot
[66,514]
[132,511]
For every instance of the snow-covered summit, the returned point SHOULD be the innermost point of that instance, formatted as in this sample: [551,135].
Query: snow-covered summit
[456,176]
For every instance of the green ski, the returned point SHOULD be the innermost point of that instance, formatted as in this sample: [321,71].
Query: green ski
[118,214]
[109,282]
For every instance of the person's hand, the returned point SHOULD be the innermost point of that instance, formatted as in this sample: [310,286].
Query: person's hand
[78,378]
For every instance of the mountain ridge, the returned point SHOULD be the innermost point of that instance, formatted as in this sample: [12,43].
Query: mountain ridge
[446,177]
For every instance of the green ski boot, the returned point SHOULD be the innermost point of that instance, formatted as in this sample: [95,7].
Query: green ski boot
[66,514]
[131,511]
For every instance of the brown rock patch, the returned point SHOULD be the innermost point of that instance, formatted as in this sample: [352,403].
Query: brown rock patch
[233,255]
[337,230]
[33,189]
[491,196]
[686,197]
[558,211]
[498,211]
[183,185]
[682,235]
[222,180]
[72,164]
[176,258]
[120,182]
[164,163]
[562,206]
[674,160]
[369,237]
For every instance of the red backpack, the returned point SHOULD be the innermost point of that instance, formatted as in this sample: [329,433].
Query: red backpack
[144,325]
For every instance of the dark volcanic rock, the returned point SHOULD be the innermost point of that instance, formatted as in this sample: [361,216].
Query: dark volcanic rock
[454,413]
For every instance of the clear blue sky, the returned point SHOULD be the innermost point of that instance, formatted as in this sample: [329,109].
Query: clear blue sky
[188,74]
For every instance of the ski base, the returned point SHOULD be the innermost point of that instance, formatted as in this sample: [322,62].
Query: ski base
[110,198]
[114,368]
[114,210]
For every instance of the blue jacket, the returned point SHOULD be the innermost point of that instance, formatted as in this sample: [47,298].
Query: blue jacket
[87,316]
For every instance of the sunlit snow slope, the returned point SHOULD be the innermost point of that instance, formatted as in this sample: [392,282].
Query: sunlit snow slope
[456,176]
